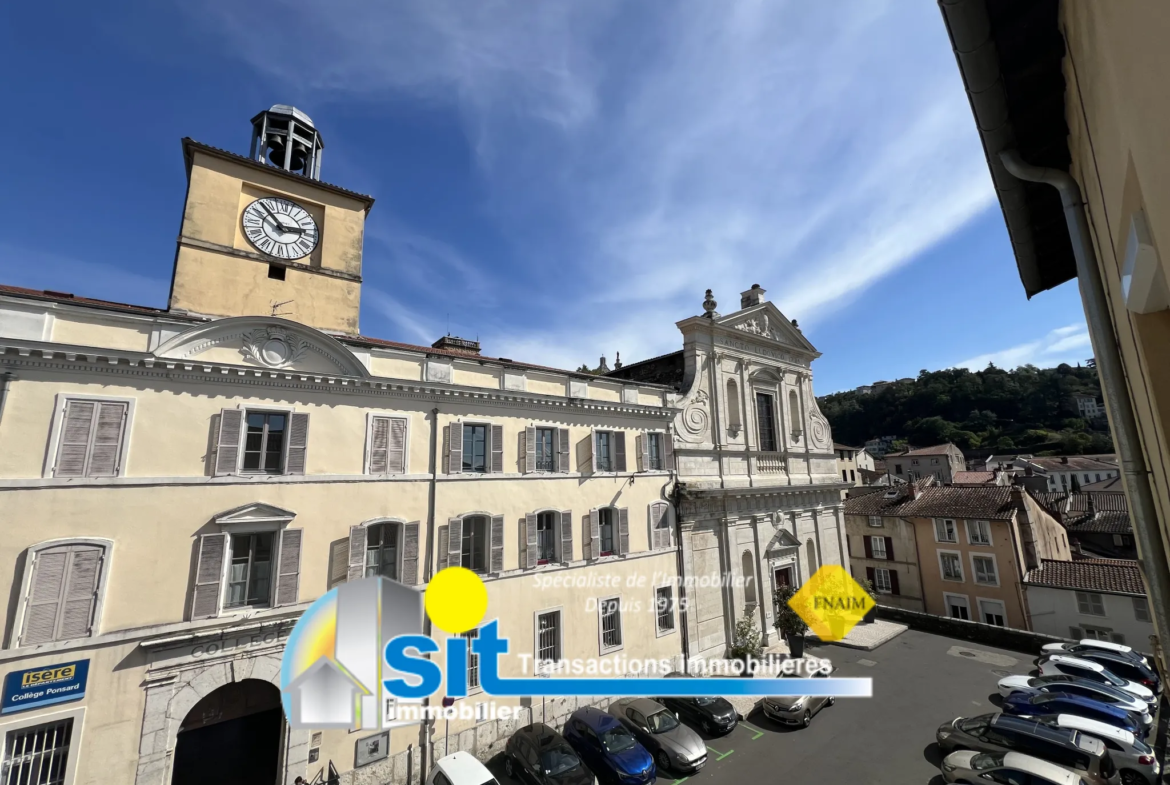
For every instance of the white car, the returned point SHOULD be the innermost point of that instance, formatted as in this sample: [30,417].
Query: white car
[1055,664]
[1011,767]
[1074,685]
[460,768]
[1133,757]
[1089,643]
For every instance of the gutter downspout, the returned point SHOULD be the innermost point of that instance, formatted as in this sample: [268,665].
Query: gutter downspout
[427,727]
[1135,474]
[675,499]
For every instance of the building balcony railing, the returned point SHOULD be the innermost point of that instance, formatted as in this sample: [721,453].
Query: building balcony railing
[771,463]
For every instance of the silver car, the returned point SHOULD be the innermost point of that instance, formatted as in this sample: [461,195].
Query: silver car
[675,747]
[1133,757]
[1001,767]
[795,710]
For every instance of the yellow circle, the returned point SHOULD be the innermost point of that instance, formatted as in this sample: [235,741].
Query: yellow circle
[456,600]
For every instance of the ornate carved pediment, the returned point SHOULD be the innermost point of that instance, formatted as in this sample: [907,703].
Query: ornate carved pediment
[765,321]
[781,541]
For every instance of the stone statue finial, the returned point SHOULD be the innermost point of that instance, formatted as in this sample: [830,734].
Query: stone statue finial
[617,360]
[794,324]
[709,305]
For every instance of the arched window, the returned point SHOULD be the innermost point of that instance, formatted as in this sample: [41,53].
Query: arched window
[749,578]
[64,581]
[794,414]
[811,556]
[382,550]
[733,419]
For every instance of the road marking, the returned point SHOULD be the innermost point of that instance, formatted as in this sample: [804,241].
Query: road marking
[721,755]
[676,782]
[754,730]
[867,663]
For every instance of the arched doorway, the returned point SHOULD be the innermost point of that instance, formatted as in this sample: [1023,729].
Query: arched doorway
[231,737]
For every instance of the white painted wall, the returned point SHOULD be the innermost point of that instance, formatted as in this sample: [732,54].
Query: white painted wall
[1054,612]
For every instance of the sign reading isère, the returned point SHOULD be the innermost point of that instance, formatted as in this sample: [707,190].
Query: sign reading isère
[37,687]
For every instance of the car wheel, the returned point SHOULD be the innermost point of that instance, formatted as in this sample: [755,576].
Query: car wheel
[807,718]
[509,767]
[663,760]
[1131,777]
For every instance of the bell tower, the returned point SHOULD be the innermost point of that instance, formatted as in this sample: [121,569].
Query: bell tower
[263,235]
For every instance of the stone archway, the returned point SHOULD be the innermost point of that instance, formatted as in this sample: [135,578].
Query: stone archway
[232,736]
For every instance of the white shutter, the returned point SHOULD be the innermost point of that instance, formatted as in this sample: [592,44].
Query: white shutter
[642,446]
[409,574]
[227,453]
[529,555]
[81,583]
[44,601]
[667,452]
[107,439]
[562,447]
[623,530]
[396,460]
[593,450]
[298,440]
[379,445]
[566,535]
[209,575]
[594,534]
[530,449]
[357,552]
[496,538]
[497,449]
[455,448]
[288,576]
[76,431]
[454,542]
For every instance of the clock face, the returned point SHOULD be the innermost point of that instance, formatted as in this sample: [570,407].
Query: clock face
[280,228]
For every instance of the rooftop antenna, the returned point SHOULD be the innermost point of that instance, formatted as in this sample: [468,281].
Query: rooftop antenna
[276,307]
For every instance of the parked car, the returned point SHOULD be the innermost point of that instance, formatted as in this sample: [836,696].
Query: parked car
[675,746]
[1089,644]
[1055,664]
[1004,733]
[460,768]
[1014,768]
[1125,667]
[1134,758]
[712,714]
[1075,685]
[538,755]
[608,748]
[1054,703]
[795,710]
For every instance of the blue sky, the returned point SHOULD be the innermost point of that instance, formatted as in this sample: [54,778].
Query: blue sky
[561,180]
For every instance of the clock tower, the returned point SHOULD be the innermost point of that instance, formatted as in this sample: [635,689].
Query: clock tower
[262,235]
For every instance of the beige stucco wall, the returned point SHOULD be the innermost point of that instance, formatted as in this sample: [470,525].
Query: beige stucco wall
[547,385]
[397,367]
[905,559]
[81,331]
[477,376]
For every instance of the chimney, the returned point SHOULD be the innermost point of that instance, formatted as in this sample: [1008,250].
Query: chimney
[912,490]
[753,296]
[450,343]
[1064,459]
[1092,505]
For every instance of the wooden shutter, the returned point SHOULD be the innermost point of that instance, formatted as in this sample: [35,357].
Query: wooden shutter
[81,584]
[209,575]
[497,544]
[642,442]
[659,520]
[497,447]
[357,552]
[227,453]
[594,535]
[619,451]
[530,449]
[75,435]
[455,542]
[288,576]
[298,440]
[894,588]
[566,535]
[396,463]
[529,555]
[409,573]
[667,452]
[442,549]
[623,530]
[379,445]
[44,601]
[107,439]
[593,450]
[868,547]
[871,574]
[455,448]
[890,548]
[563,464]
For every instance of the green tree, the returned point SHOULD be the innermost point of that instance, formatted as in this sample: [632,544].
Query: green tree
[1005,444]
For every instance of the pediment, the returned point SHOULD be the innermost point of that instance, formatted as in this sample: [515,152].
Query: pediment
[782,540]
[766,322]
[257,512]
[264,342]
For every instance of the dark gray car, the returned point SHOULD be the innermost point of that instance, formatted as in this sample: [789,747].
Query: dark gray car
[675,747]
[795,710]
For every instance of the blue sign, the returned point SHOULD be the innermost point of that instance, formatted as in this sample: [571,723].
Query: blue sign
[37,687]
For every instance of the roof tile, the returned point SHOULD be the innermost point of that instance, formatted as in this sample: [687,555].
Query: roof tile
[1118,576]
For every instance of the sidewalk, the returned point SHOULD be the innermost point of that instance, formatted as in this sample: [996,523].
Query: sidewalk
[866,637]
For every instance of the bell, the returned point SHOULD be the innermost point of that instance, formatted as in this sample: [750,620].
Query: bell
[299,153]
[275,154]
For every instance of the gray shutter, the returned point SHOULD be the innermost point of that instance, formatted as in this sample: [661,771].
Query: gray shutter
[497,544]
[357,552]
[655,521]
[81,583]
[667,452]
[623,530]
[497,446]
[209,575]
[593,450]
[454,542]
[396,463]
[530,449]
[75,436]
[298,440]
[563,464]
[44,601]
[288,576]
[227,453]
[566,535]
[409,574]
[619,451]
[642,442]
[455,448]
[594,534]
[529,560]
[107,440]
[442,549]
[379,445]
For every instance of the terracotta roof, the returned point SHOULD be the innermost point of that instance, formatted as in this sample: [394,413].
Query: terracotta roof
[1111,484]
[1108,522]
[72,299]
[837,446]
[973,478]
[938,449]
[990,502]
[1076,463]
[1115,576]
[1064,502]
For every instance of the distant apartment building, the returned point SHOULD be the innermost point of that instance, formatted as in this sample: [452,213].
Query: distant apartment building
[1061,469]
[880,445]
[1102,599]
[850,461]
[1089,407]
[942,462]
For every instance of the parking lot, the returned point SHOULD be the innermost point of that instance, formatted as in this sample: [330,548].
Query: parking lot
[919,681]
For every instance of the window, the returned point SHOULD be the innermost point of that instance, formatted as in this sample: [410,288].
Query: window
[1099,634]
[1090,604]
[934,461]
[1086,477]
[944,530]
[664,609]
[472,660]
[62,593]
[1141,609]
[654,452]
[1120,540]
[660,525]
[979,532]
[89,443]
[605,462]
[875,521]
[473,554]
[881,581]
[548,636]
[766,422]
[382,550]
[37,755]
[607,523]
[1097,478]
[952,565]
[264,443]
[878,547]
[913,461]
[387,440]
[250,570]
[475,448]
[897,468]
[611,623]
[546,537]
[852,476]
[992,612]
[546,459]
[957,606]
[984,569]
[844,476]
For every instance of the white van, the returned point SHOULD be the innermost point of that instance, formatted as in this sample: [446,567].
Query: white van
[460,768]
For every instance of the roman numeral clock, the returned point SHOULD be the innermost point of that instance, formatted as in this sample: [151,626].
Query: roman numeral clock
[280,228]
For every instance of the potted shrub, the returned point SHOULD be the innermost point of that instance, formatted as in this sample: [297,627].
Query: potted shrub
[788,622]
[745,642]
[872,613]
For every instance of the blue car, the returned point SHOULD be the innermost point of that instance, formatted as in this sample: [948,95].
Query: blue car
[608,748]
[1024,705]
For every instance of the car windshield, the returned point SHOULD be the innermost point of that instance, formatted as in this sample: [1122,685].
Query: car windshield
[617,739]
[661,722]
[983,762]
[705,700]
[1142,747]
[973,725]
[558,760]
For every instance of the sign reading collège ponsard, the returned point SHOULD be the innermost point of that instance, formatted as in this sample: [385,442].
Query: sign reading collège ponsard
[44,686]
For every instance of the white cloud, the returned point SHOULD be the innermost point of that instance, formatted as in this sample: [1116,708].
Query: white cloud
[1068,344]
